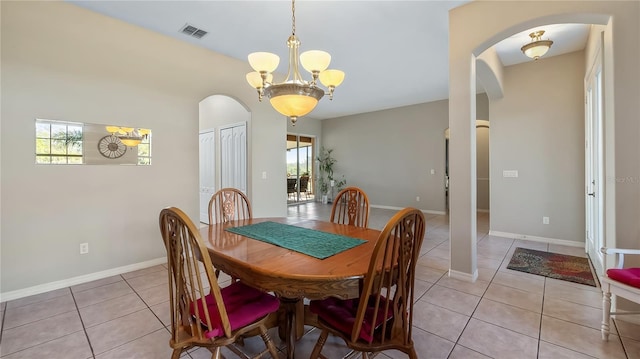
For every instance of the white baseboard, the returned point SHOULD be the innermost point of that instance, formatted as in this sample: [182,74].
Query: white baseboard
[463,276]
[42,288]
[526,237]
[399,208]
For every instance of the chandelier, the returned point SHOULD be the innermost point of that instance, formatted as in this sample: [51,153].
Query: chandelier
[294,97]
[537,47]
[129,136]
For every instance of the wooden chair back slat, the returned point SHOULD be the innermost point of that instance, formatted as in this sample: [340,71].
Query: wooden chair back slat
[351,206]
[387,294]
[229,204]
[187,266]
[391,277]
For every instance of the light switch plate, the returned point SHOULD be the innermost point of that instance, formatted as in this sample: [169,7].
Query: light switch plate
[510,173]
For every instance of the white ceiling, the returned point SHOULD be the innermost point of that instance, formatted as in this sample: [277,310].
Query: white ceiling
[394,53]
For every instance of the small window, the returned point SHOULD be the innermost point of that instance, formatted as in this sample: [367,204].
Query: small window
[58,142]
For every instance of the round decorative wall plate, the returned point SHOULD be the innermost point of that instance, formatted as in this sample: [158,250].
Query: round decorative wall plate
[111,147]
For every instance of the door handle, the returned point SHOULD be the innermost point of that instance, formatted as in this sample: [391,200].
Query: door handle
[593,194]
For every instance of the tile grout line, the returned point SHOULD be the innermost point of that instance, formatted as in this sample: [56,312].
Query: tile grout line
[164,327]
[544,290]
[147,305]
[29,323]
[93,354]
[474,310]
[4,315]
[624,348]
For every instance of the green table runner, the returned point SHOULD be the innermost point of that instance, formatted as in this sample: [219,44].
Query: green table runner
[311,242]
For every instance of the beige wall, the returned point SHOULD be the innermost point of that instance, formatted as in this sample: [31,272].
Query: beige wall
[390,153]
[108,72]
[537,128]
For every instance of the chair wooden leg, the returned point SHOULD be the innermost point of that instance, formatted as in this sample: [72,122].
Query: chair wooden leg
[176,353]
[606,314]
[319,344]
[217,353]
[268,342]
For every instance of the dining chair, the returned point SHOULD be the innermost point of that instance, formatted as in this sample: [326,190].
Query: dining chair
[202,313]
[226,205]
[229,204]
[623,282]
[382,317]
[351,206]
[304,186]
[291,187]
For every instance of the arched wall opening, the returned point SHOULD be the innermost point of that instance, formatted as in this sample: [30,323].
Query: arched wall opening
[224,145]
[464,70]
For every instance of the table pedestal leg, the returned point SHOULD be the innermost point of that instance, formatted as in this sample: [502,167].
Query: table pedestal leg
[291,330]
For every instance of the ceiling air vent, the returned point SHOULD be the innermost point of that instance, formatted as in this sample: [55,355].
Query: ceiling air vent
[193,31]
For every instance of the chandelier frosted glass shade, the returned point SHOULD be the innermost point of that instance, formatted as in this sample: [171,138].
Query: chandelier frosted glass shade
[264,61]
[294,97]
[293,100]
[331,79]
[315,61]
[537,47]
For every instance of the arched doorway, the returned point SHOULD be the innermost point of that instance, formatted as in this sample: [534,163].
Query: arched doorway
[222,147]
[463,53]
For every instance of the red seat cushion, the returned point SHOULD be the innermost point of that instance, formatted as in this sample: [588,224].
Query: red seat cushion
[629,276]
[341,314]
[244,306]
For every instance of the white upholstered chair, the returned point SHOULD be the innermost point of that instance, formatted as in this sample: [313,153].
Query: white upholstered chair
[623,282]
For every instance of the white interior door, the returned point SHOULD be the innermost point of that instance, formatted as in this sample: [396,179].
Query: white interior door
[594,201]
[207,172]
[233,157]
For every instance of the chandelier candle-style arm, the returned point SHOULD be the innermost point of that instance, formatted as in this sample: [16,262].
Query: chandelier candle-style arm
[256,81]
[294,97]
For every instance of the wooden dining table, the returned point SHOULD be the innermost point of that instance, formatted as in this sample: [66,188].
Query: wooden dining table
[291,275]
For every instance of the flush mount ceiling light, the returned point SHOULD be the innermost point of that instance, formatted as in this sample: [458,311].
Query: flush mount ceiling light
[537,47]
[294,97]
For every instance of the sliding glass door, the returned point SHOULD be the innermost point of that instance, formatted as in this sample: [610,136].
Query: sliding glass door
[300,155]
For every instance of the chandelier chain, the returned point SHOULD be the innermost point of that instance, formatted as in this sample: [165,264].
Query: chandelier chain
[293,17]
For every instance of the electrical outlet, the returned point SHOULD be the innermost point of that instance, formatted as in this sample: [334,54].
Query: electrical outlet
[417,198]
[84,248]
[545,220]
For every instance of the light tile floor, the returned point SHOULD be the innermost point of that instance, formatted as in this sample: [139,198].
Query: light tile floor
[504,314]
